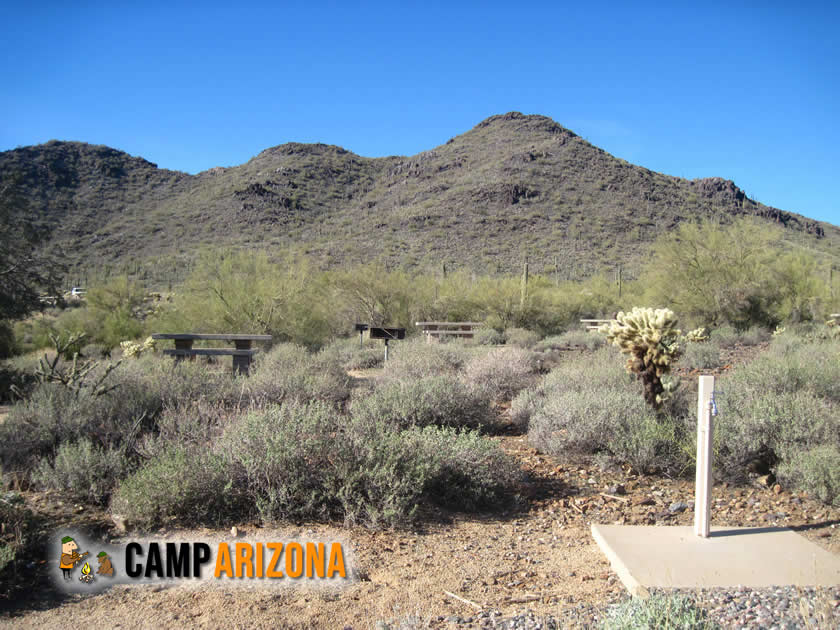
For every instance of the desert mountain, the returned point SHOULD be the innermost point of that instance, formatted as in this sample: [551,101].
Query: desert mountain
[512,187]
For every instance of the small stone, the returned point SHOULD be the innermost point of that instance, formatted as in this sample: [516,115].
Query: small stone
[677,507]
[766,480]
[642,500]
[617,489]
[777,489]
[234,532]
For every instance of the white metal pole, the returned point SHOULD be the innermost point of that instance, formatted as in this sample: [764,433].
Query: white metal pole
[386,349]
[705,434]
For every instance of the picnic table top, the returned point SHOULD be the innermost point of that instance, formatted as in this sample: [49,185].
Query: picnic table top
[449,323]
[225,337]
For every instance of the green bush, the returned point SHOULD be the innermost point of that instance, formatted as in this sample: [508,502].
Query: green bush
[307,461]
[701,356]
[521,337]
[350,356]
[469,471]
[434,400]
[501,372]
[417,359]
[778,409]
[290,373]
[725,337]
[589,404]
[83,471]
[16,527]
[590,340]
[817,471]
[488,337]
[658,611]
[184,485]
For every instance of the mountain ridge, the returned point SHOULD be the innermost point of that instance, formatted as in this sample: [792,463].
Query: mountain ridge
[512,187]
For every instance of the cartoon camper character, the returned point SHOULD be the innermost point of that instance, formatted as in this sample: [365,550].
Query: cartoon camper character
[105,567]
[69,555]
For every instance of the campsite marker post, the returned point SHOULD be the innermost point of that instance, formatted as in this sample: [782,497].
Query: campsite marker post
[705,435]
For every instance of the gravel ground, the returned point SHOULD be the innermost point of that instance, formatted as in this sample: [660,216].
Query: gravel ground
[772,608]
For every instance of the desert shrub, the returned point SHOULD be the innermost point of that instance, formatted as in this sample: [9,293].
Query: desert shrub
[82,470]
[521,337]
[817,471]
[701,356]
[307,461]
[434,400]
[501,372]
[53,415]
[350,356]
[573,339]
[185,485]
[488,337]
[725,336]
[653,442]
[8,347]
[290,373]
[16,527]
[581,422]
[13,379]
[469,471]
[197,423]
[755,335]
[170,382]
[589,404]
[524,404]
[299,462]
[791,367]
[777,409]
[417,359]
[658,611]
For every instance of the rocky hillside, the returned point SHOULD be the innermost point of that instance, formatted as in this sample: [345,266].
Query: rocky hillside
[512,187]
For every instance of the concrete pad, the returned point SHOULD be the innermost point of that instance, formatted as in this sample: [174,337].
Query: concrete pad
[675,557]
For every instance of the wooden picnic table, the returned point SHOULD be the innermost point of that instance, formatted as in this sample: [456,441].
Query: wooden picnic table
[458,329]
[242,352]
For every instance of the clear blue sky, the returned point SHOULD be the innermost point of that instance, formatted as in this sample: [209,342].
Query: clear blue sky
[746,91]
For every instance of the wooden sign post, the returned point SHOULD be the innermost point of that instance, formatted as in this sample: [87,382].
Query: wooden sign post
[705,436]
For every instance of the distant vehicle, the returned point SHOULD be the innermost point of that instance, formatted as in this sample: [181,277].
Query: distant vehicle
[77,291]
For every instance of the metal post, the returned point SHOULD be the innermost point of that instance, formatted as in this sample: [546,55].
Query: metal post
[705,435]
[386,349]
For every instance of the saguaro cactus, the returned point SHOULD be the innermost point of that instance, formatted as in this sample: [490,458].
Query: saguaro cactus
[650,338]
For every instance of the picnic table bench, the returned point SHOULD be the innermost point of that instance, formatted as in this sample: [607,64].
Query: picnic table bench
[242,352]
[439,329]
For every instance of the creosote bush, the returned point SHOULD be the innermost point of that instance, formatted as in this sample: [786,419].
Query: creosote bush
[83,471]
[413,359]
[185,484]
[521,337]
[501,372]
[589,405]
[434,400]
[781,413]
[701,356]
[290,373]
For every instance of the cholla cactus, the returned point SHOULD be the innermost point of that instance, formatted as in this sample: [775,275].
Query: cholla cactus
[698,335]
[650,338]
[134,349]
